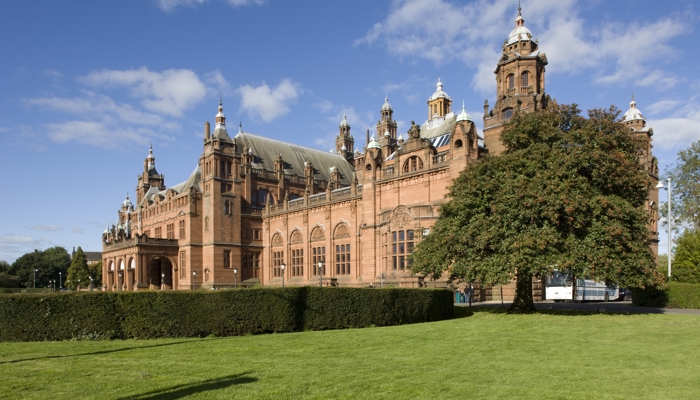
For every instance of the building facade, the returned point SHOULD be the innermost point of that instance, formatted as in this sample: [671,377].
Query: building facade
[261,211]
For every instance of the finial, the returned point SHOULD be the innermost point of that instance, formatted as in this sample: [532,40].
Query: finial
[462,104]
[519,9]
[220,101]
[240,127]
[633,95]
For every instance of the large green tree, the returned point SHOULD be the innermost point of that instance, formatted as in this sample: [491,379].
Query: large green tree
[685,181]
[686,259]
[78,273]
[567,193]
[48,264]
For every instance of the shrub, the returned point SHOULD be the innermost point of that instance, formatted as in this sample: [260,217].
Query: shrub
[158,314]
[676,295]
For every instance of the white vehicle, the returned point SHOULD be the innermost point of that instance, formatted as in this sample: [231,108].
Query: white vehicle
[559,287]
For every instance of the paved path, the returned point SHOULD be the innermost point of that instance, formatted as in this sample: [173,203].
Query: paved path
[617,307]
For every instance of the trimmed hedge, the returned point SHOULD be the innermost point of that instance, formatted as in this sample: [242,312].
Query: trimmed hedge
[675,295]
[160,314]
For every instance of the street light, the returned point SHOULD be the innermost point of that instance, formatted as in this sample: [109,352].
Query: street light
[235,277]
[660,185]
[35,271]
[320,273]
[282,268]
[78,284]
[60,283]
[194,280]
[90,283]
[119,282]
[162,281]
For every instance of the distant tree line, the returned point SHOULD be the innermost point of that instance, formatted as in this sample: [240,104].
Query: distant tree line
[39,268]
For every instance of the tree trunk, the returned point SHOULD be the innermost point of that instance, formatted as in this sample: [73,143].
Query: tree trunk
[523,303]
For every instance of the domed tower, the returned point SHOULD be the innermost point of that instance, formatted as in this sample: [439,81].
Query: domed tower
[344,142]
[386,128]
[638,124]
[439,104]
[519,83]
[149,178]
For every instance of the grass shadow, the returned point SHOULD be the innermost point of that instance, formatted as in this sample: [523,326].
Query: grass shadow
[462,312]
[575,310]
[188,389]
[99,352]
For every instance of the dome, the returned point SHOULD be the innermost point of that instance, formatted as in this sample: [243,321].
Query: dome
[463,116]
[633,113]
[344,122]
[439,93]
[518,34]
[386,106]
[373,144]
[127,203]
[150,153]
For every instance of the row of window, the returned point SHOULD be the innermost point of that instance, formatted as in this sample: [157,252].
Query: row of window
[341,265]
[524,80]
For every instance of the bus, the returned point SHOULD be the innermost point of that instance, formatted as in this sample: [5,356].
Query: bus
[560,287]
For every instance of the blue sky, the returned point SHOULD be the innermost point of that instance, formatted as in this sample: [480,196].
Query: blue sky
[86,86]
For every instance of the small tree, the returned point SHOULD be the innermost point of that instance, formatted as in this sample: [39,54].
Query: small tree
[567,193]
[96,273]
[78,273]
[47,263]
[685,178]
[686,260]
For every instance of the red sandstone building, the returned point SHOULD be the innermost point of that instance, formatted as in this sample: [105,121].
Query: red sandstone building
[260,211]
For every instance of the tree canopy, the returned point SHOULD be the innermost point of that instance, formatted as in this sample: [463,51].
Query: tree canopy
[685,182]
[78,273]
[48,264]
[686,259]
[567,193]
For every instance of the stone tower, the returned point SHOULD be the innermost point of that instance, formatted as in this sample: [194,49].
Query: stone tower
[344,142]
[519,83]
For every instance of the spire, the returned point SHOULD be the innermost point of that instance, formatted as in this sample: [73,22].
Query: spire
[519,21]
[151,159]
[240,127]
[463,116]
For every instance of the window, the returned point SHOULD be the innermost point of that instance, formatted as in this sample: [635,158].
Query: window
[511,81]
[401,246]
[227,207]
[524,78]
[257,234]
[260,198]
[158,232]
[342,259]
[507,113]
[182,229]
[251,266]
[227,258]
[170,231]
[183,265]
[318,255]
[298,262]
[413,164]
[277,260]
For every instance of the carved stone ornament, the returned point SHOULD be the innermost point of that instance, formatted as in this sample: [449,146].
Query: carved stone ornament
[267,225]
[306,218]
[277,240]
[284,221]
[400,219]
[317,234]
[353,208]
[414,132]
[296,237]
[341,231]
[328,213]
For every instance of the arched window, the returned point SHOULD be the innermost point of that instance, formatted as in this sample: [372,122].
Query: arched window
[401,246]
[368,167]
[260,198]
[524,79]
[132,265]
[413,164]
[342,237]
[511,81]
[227,207]
[111,265]
[507,113]
[458,143]
[121,264]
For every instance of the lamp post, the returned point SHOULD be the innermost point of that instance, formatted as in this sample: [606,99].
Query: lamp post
[320,273]
[119,282]
[660,185]
[35,271]
[60,281]
[282,268]
[78,284]
[162,281]
[90,283]
[194,280]
[235,277]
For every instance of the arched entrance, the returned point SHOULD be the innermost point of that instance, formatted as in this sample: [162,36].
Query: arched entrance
[160,274]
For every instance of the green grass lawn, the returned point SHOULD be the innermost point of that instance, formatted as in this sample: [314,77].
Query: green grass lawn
[485,355]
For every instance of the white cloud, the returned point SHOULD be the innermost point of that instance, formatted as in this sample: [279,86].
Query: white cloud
[53,74]
[170,92]
[76,230]
[101,134]
[674,133]
[168,5]
[13,246]
[661,106]
[268,103]
[47,228]
[442,31]
[217,82]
